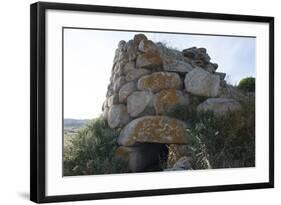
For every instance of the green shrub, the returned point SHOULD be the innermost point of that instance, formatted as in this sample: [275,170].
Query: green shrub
[220,141]
[182,112]
[92,151]
[226,141]
[247,84]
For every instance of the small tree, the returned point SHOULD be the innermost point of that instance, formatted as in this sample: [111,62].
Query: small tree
[247,84]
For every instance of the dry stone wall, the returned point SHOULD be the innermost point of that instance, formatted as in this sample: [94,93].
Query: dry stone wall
[147,80]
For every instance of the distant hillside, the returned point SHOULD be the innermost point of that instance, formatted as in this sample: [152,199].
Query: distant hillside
[72,124]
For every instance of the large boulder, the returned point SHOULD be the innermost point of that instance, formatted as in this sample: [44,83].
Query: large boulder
[118,83]
[211,67]
[132,49]
[174,65]
[153,129]
[129,66]
[219,106]
[149,60]
[170,53]
[112,100]
[117,116]
[126,90]
[202,83]
[159,81]
[137,73]
[190,52]
[140,157]
[115,75]
[138,102]
[120,55]
[168,99]
[139,37]
[147,46]
[121,45]
[195,53]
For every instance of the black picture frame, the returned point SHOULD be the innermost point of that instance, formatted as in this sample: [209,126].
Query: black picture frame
[38,100]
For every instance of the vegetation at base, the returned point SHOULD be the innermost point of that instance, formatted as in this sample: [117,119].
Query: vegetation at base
[247,84]
[215,141]
[92,151]
[220,141]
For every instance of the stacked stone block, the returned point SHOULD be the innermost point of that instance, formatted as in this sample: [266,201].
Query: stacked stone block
[147,80]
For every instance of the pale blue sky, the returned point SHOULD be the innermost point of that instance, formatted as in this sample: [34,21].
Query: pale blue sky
[88,57]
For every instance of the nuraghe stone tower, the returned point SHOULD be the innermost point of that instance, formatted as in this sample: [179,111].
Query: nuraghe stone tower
[147,80]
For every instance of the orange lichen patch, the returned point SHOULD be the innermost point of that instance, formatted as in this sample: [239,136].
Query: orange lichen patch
[155,129]
[150,60]
[159,81]
[165,100]
[153,57]
[147,46]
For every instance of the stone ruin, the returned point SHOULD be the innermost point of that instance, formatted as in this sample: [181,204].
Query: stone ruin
[147,80]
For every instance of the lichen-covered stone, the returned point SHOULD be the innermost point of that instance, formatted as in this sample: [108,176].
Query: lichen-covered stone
[154,129]
[121,45]
[137,73]
[170,53]
[117,116]
[219,106]
[116,56]
[166,100]
[195,53]
[138,101]
[198,63]
[139,37]
[202,83]
[190,52]
[131,48]
[122,56]
[114,78]
[147,46]
[112,100]
[150,60]
[118,83]
[128,67]
[210,67]
[174,65]
[159,81]
[203,56]
[126,90]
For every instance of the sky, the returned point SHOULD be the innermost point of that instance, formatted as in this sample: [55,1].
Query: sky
[88,59]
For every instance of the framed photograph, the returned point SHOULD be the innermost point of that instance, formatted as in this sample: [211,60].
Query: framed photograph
[129,102]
